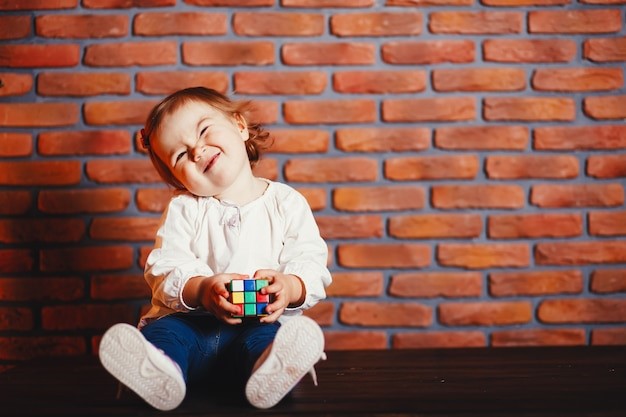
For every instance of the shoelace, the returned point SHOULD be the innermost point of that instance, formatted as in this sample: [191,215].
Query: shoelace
[312,371]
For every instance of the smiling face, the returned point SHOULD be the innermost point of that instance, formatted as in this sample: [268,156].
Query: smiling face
[204,149]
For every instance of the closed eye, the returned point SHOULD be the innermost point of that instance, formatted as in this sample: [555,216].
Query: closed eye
[180,155]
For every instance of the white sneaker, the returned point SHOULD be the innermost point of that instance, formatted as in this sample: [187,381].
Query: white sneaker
[143,368]
[298,345]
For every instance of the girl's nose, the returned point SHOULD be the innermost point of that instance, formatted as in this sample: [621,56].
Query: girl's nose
[198,151]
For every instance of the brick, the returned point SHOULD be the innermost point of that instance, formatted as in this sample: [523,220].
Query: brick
[488,138]
[413,168]
[16,260]
[603,1]
[153,199]
[522,3]
[110,171]
[529,50]
[228,53]
[41,289]
[14,27]
[583,310]
[82,84]
[431,226]
[38,114]
[14,202]
[316,197]
[485,255]
[41,230]
[475,23]
[377,314]
[428,52]
[379,82]
[86,258]
[126,4]
[401,255]
[429,109]
[531,166]
[534,225]
[124,228]
[15,144]
[605,49]
[578,79]
[494,313]
[577,195]
[539,337]
[97,200]
[603,137]
[378,198]
[37,4]
[86,26]
[372,139]
[280,82]
[580,253]
[181,23]
[574,21]
[325,3]
[126,54]
[326,53]
[529,109]
[606,166]
[331,170]
[535,283]
[128,112]
[438,340]
[231,3]
[86,316]
[167,82]
[604,223]
[605,107]
[88,142]
[615,336]
[356,284]
[143,255]
[24,348]
[351,340]
[604,281]
[479,79]
[299,141]
[376,24]
[266,168]
[436,284]
[278,24]
[330,111]
[29,173]
[477,196]
[350,227]
[413,3]
[115,287]
[44,56]
[323,313]
[14,84]
[16,318]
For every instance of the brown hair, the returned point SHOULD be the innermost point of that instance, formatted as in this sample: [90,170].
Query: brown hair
[255,144]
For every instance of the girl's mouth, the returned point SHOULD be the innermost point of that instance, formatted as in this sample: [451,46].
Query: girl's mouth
[212,162]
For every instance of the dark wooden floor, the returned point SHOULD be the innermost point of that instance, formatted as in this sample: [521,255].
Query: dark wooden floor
[513,382]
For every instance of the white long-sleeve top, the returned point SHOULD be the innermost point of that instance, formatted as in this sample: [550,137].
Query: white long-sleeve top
[203,236]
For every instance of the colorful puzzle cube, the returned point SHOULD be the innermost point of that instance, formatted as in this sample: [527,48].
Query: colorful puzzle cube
[246,295]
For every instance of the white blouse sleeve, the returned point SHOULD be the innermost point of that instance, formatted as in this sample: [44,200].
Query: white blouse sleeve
[172,262]
[304,254]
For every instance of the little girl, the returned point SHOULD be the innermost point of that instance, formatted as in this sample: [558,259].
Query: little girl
[223,224]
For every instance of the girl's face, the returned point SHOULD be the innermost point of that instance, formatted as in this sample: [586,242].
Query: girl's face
[204,149]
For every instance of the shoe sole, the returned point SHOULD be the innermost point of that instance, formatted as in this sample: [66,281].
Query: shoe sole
[126,355]
[298,345]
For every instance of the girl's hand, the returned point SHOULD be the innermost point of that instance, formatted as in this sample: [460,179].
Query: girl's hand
[212,294]
[288,290]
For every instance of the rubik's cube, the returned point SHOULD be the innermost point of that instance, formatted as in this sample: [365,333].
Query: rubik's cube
[246,295]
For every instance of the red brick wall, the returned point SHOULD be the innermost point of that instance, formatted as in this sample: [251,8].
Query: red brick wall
[465,160]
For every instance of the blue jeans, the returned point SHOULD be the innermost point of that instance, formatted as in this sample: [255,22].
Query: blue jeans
[207,349]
